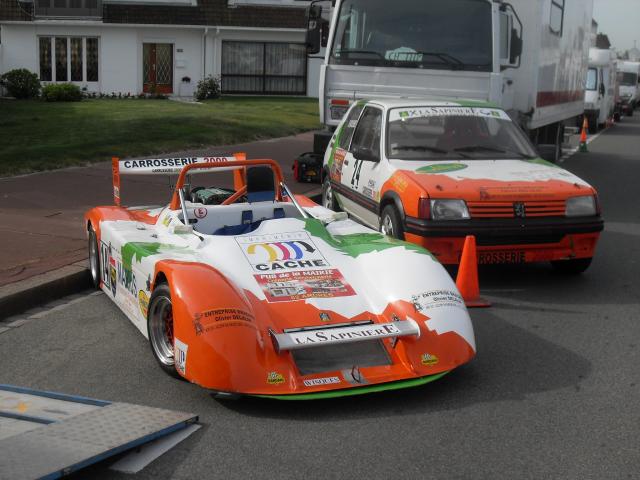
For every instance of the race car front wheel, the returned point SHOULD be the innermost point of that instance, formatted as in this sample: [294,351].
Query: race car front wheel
[572,267]
[390,223]
[94,258]
[160,328]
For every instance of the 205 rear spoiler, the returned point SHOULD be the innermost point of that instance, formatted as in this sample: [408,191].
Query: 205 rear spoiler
[162,166]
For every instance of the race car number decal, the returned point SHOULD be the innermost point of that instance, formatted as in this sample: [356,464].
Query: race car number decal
[492,258]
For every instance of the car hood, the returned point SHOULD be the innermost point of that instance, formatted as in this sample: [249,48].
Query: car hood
[477,180]
[298,273]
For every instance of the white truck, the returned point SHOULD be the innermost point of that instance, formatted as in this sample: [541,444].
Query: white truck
[629,77]
[529,57]
[600,97]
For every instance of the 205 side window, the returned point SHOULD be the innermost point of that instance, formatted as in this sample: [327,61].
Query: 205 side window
[369,130]
[350,125]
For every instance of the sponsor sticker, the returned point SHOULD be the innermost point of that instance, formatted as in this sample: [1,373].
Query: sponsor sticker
[429,360]
[333,335]
[509,257]
[200,212]
[318,382]
[180,356]
[302,285]
[143,301]
[221,317]
[450,111]
[275,378]
[281,252]
[437,299]
[442,168]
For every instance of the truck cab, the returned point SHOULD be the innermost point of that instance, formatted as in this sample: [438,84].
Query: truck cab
[600,95]
[629,78]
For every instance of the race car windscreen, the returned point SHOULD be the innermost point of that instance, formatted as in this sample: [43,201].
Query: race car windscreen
[432,34]
[443,133]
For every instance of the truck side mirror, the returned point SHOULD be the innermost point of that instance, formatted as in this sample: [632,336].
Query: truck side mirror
[602,89]
[314,29]
[516,48]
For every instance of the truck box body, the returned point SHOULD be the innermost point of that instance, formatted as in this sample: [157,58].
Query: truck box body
[546,88]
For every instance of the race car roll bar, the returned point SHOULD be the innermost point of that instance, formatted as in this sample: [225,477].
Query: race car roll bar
[176,203]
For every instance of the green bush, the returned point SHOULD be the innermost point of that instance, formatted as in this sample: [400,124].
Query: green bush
[208,88]
[61,92]
[21,83]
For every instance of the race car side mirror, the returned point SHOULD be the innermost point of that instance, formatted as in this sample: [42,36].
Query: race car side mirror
[365,154]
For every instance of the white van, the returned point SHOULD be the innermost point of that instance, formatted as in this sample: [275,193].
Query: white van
[629,77]
[600,95]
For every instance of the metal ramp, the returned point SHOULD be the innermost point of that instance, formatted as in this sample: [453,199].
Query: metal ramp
[48,435]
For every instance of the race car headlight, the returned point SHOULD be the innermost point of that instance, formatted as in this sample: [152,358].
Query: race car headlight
[581,206]
[449,210]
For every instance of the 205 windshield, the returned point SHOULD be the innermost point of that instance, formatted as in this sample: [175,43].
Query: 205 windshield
[444,133]
[432,34]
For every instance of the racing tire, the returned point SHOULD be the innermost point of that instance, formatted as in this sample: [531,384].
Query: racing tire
[572,267]
[390,223]
[160,329]
[328,198]
[94,259]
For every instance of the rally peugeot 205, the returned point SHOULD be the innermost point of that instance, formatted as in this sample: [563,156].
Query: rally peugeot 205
[252,290]
[434,172]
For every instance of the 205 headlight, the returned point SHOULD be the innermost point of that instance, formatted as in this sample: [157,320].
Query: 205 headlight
[585,206]
[449,210]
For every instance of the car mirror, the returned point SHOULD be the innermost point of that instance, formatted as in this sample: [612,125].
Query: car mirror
[365,154]
[314,29]
[602,89]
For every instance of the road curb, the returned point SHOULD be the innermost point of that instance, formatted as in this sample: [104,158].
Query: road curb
[32,292]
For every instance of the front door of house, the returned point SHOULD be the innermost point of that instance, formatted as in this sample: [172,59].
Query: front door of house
[157,64]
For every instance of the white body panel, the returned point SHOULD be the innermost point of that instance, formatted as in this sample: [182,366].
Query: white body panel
[548,87]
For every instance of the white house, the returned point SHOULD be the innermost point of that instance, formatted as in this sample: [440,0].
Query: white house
[134,46]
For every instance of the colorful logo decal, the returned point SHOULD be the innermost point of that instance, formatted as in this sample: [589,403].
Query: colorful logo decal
[279,252]
[429,360]
[302,285]
[143,300]
[275,378]
[200,212]
[442,168]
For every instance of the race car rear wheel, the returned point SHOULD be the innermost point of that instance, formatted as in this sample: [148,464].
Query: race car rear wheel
[328,198]
[390,223]
[572,267]
[160,328]
[94,258]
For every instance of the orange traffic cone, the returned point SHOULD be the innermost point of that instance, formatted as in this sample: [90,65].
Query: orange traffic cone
[583,135]
[467,281]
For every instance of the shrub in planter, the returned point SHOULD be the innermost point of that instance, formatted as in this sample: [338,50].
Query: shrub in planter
[21,83]
[208,88]
[61,92]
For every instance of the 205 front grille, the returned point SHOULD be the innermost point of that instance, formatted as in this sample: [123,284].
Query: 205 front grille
[532,209]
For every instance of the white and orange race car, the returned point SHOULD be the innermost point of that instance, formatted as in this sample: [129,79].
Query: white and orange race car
[434,172]
[255,291]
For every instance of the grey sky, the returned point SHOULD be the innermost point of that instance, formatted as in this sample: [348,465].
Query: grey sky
[620,19]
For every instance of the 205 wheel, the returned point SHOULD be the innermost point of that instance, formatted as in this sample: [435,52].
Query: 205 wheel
[572,267]
[94,258]
[390,223]
[160,329]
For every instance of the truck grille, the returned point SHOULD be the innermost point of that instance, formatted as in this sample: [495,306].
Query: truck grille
[553,208]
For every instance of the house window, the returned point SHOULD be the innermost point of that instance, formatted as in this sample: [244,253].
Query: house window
[64,59]
[266,68]
[556,22]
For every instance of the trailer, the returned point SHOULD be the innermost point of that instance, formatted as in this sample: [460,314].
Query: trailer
[529,57]
[600,97]
[629,78]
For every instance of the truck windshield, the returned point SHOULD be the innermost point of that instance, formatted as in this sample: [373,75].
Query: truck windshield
[433,34]
[628,79]
[444,133]
[592,79]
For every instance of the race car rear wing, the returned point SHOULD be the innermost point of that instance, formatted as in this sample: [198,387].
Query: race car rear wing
[164,166]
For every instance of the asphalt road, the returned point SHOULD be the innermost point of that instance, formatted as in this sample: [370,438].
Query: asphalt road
[553,393]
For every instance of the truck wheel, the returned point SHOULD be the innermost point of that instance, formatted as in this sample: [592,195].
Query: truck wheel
[572,267]
[160,329]
[328,198]
[390,223]
[94,259]
[593,124]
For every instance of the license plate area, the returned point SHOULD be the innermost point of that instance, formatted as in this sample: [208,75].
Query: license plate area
[331,358]
[511,257]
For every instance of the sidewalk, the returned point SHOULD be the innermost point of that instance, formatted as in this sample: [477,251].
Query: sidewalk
[41,214]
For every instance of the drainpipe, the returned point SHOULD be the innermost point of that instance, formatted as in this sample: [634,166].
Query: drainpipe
[204,52]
